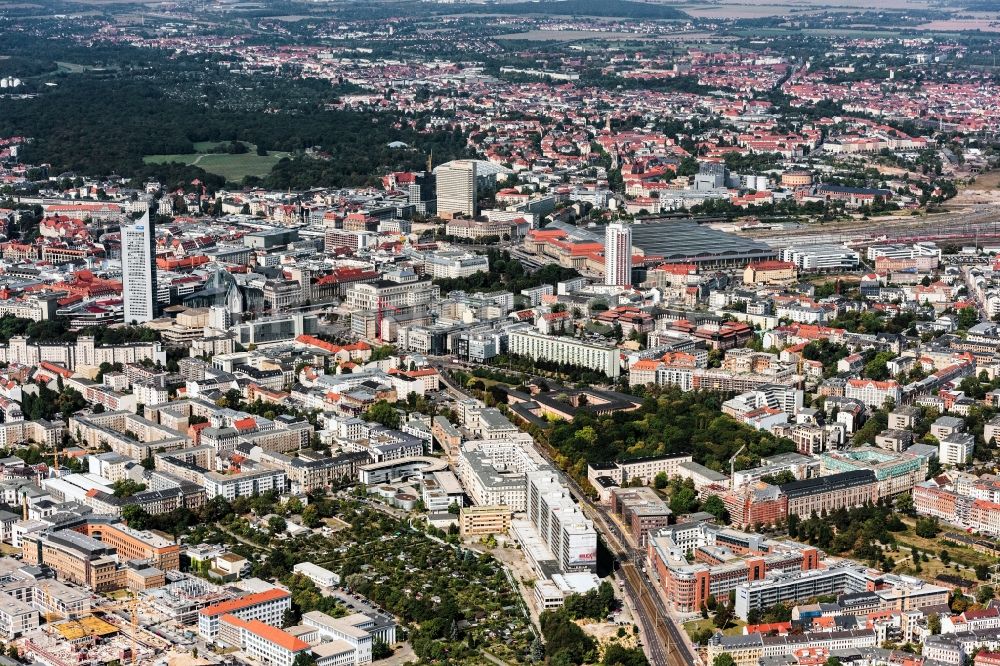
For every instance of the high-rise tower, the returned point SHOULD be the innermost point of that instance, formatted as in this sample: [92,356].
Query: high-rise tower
[139,270]
[456,188]
[618,255]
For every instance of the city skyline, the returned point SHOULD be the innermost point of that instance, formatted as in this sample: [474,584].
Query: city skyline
[566,333]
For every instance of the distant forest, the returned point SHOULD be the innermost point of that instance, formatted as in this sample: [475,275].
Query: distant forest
[605,8]
[623,8]
[104,122]
[99,126]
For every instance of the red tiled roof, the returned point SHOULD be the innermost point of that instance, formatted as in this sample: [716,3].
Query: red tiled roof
[244,602]
[268,633]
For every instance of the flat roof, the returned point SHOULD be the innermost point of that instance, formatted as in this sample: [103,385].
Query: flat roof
[681,240]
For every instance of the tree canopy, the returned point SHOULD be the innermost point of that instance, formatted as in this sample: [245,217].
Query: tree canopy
[669,422]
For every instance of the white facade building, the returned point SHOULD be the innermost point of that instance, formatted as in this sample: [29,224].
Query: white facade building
[956,448]
[244,484]
[537,346]
[873,393]
[569,535]
[268,607]
[822,257]
[139,271]
[456,188]
[617,255]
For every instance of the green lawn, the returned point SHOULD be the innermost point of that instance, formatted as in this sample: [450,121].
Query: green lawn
[959,553]
[706,623]
[230,167]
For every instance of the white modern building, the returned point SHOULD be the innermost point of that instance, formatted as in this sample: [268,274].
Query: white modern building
[956,448]
[261,642]
[540,347]
[244,484]
[317,574]
[829,257]
[454,264]
[359,631]
[617,255]
[456,188]
[569,535]
[139,271]
[492,471]
[16,617]
[268,607]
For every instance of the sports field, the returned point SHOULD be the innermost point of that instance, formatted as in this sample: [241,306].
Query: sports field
[231,167]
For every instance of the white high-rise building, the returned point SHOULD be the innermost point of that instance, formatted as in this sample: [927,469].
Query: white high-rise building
[456,188]
[618,255]
[568,533]
[220,318]
[139,270]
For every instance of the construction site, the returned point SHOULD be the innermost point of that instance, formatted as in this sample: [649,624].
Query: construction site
[178,602]
[113,632]
[85,641]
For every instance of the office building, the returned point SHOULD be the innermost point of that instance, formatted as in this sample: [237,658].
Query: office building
[130,544]
[824,494]
[560,523]
[645,469]
[896,473]
[422,192]
[139,271]
[820,257]
[16,617]
[317,574]
[895,592]
[484,520]
[390,295]
[641,510]
[268,607]
[693,561]
[618,255]
[75,557]
[956,448]
[538,347]
[261,642]
[358,632]
[492,471]
[456,188]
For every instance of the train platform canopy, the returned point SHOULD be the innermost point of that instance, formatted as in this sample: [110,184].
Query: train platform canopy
[681,241]
[684,241]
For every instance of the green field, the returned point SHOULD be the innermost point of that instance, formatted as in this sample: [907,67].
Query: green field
[706,623]
[231,167]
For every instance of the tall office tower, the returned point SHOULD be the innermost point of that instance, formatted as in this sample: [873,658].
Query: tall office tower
[456,188]
[139,270]
[618,255]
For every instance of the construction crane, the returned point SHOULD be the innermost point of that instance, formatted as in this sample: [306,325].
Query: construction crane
[132,605]
[732,465]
